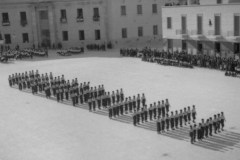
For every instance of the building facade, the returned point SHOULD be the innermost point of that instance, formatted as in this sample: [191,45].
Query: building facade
[208,27]
[74,23]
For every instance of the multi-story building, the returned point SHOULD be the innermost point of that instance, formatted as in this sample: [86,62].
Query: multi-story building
[203,26]
[81,22]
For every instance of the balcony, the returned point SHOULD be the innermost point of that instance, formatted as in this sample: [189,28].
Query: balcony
[96,18]
[23,23]
[182,34]
[80,19]
[63,20]
[197,34]
[213,35]
[233,36]
[6,23]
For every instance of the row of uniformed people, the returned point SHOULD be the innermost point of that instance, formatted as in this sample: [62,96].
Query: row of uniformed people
[105,100]
[154,111]
[88,95]
[176,120]
[126,106]
[205,129]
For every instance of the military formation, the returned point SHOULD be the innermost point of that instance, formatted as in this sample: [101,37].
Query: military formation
[117,104]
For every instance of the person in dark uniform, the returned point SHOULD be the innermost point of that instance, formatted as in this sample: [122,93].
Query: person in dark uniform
[94,104]
[130,104]
[58,94]
[110,111]
[95,92]
[142,114]
[20,84]
[210,126]
[126,105]
[150,111]
[72,94]
[172,118]
[118,96]
[113,97]
[90,104]
[143,100]
[61,91]
[194,132]
[218,122]
[117,109]
[138,102]
[121,95]
[202,129]
[215,124]
[163,123]
[134,118]
[158,126]
[191,134]
[167,105]
[176,119]
[222,120]
[189,115]
[206,128]
[66,91]
[134,103]
[185,116]
[138,117]
[121,107]
[159,109]
[163,108]
[154,110]
[199,132]
[167,122]
[194,113]
[99,102]
[145,113]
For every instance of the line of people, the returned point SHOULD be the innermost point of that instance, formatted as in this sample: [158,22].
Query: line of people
[206,128]
[126,106]
[186,116]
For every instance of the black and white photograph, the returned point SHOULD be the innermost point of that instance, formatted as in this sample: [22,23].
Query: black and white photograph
[119,80]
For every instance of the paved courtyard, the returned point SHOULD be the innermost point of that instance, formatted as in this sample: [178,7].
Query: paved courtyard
[32,127]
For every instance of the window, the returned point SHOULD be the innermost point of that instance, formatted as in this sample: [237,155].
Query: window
[219,1]
[43,15]
[65,35]
[184,24]
[124,32]
[96,14]
[169,23]
[97,35]
[23,17]
[154,8]
[5,18]
[155,30]
[217,24]
[80,13]
[63,14]
[25,37]
[139,9]
[123,11]
[236,25]
[81,35]
[217,47]
[140,31]
[7,39]
[199,24]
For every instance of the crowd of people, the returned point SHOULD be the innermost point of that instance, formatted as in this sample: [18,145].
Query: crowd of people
[117,104]
[20,54]
[70,51]
[205,128]
[184,59]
